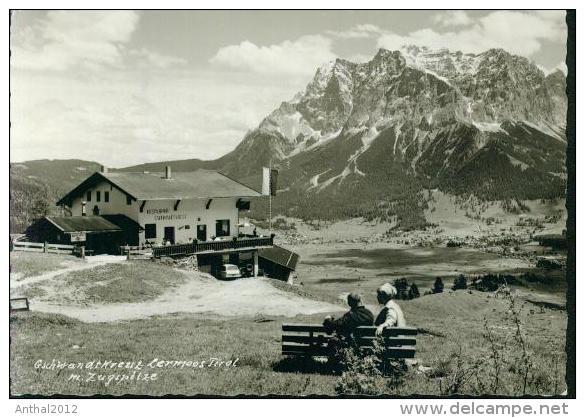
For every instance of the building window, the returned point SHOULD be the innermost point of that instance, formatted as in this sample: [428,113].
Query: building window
[150,231]
[88,196]
[128,200]
[98,196]
[187,226]
[222,228]
[106,196]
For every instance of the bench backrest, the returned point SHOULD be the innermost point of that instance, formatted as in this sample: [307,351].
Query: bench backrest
[311,340]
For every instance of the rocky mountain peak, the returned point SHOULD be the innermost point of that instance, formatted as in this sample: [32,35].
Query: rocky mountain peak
[415,92]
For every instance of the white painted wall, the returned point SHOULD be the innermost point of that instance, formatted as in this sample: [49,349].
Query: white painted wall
[116,205]
[190,212]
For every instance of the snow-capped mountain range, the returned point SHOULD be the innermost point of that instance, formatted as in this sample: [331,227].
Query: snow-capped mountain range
[418,86]
[365,134]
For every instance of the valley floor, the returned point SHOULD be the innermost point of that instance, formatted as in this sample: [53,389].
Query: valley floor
[360,255]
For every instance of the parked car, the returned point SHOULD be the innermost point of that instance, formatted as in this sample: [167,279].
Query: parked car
[229,271]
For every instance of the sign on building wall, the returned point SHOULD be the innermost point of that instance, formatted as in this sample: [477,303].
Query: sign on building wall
[78,236]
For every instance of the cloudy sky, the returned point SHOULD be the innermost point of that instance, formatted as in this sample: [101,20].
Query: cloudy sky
[124,87]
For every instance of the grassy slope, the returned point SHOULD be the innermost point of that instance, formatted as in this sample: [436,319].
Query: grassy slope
[41,336]
[452,321]
[29,264]
[134,281]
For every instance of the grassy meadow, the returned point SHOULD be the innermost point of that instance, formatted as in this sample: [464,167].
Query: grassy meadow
[131,281]
[467,345]
[25,264]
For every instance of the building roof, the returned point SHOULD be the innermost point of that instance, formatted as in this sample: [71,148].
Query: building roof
[204,184]
[82,223]
[280,256]
[123,222]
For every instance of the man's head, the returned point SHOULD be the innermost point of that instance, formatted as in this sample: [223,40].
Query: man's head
[354,300]
[386,292]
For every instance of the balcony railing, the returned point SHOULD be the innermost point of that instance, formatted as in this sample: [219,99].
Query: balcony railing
[212,246]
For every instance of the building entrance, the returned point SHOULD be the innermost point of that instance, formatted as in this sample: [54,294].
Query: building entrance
[170,234]
[201,232]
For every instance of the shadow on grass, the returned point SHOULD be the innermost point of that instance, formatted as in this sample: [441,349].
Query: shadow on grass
[308,365]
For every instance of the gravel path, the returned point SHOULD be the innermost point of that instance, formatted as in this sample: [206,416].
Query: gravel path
[200,294]
[91,262]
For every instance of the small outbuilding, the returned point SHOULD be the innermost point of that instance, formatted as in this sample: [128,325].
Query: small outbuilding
[277,262]
[96,233]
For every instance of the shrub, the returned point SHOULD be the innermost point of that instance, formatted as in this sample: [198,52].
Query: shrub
[438,286]
[413,292]
[372,374]
[460,282]
[401,286]
[491,282]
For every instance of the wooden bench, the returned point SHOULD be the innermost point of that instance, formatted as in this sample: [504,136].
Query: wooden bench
[311,340]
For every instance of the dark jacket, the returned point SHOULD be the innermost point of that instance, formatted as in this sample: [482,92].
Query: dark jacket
[356,317]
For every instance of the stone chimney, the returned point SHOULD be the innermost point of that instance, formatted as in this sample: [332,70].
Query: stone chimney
[168,174]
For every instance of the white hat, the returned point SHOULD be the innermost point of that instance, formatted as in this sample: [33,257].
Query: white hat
[388,290]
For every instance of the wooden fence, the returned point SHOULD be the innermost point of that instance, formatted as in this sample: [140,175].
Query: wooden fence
[135,252]
[39,247]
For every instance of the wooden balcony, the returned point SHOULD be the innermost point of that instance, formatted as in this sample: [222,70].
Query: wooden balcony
[210,247]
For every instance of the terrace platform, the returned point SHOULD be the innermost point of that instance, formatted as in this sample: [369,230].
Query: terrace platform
[213,247]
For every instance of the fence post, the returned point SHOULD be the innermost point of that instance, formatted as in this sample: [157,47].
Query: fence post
[45,247]
[255,263]
[127,253]
[82,252]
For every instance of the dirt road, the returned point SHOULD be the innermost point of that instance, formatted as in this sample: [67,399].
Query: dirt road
[200,294]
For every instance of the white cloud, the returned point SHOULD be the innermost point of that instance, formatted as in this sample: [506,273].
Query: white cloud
[561,66]
[155,59]
[68,39]
[453,18]
[360,31]
[126,119]
[359,58]
[517,32]
[297,58]
[72,40]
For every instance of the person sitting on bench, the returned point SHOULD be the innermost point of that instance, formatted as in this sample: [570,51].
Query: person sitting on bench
[391,315]
[357,316]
